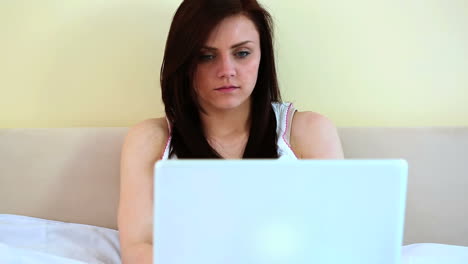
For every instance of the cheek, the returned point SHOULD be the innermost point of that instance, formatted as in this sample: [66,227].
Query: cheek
[251,70]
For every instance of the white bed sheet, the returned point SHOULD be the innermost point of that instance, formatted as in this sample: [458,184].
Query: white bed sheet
[23,239]
[429,253]
[27,240]
[10,255]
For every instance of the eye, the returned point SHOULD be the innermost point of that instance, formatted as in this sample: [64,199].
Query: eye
[242,54]
[206,57]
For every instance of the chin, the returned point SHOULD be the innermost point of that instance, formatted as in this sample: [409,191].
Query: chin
[229,104]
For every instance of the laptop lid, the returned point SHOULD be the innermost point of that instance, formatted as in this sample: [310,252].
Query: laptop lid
[268,211]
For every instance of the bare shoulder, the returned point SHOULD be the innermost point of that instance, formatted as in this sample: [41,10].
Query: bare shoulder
[143,146]
[150,127]
[147,139]
[314,136]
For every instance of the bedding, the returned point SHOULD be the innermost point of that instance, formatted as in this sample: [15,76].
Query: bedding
[16,255]
[28,240]
[429,253]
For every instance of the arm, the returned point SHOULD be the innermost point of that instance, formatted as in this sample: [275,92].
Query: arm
[143,146]
[313,136]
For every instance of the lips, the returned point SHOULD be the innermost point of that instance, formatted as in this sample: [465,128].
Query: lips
[227,89]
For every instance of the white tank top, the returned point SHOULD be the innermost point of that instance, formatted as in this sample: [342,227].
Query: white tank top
[284,113]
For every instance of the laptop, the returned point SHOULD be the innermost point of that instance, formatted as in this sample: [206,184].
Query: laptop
[279,212]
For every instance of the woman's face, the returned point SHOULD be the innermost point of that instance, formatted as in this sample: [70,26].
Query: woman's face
[227,68]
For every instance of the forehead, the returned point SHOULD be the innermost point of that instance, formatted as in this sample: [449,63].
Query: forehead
[231,30]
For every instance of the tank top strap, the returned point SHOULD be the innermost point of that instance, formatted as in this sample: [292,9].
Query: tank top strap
[284,114]
[289,117]
[165,155]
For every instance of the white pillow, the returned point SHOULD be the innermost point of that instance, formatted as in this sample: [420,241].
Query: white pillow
[90,244]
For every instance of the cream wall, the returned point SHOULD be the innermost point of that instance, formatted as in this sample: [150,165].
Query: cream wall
[362,62]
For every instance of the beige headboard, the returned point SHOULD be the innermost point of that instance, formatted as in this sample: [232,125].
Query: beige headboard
[66,174]
[72,174]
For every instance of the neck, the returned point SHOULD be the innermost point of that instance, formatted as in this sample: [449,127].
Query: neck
[227,124]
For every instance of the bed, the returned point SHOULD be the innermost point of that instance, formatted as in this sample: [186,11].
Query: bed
[59,191]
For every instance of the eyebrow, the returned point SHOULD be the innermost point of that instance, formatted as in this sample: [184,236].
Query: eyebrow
[232,47]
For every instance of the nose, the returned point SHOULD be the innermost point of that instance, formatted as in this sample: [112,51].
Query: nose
[226,67]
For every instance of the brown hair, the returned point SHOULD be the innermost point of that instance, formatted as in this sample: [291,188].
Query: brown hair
[192,23]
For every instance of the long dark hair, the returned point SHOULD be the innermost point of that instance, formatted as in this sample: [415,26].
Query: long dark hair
[192,23]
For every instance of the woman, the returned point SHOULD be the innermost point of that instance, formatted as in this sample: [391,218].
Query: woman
[221,98]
